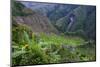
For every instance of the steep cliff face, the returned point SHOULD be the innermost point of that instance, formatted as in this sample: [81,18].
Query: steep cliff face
[52,10]
[64,18]
[37,22]
[82,18]
[68,18]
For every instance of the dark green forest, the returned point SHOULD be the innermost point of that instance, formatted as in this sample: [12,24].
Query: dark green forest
[52,33]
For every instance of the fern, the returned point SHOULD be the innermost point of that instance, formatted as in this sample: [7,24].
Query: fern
[18,53]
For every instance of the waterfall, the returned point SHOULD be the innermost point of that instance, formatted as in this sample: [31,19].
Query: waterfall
[70,23]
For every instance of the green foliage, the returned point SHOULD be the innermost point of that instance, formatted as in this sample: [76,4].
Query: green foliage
[18,9]
[31,48]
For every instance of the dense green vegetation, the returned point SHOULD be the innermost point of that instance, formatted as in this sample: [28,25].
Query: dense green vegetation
[31,48]
[74,45]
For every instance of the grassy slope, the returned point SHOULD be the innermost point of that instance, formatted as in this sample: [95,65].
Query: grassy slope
[30,48]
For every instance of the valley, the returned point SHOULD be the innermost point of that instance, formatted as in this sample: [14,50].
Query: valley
[52,33]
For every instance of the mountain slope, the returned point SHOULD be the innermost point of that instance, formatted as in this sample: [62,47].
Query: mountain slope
[81,18]
[68,18]
[37,22]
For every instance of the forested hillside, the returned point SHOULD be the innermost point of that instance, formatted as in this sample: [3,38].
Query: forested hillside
[52,33]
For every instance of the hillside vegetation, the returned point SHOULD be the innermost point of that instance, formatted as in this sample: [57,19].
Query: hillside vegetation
[38,39]
[43,49]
